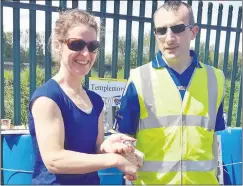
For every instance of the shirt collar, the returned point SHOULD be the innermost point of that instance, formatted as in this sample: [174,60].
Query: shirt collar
[159,62]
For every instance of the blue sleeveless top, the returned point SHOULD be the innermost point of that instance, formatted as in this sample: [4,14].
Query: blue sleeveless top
[81,130]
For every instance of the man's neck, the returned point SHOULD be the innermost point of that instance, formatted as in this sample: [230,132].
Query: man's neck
[180,64]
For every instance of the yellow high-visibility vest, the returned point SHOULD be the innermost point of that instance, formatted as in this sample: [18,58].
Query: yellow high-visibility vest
[175,135]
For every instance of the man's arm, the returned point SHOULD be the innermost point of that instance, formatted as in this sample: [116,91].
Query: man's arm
[220,121]
[127,116]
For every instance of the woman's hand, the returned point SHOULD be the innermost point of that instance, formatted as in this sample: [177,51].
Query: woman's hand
[122,144]
[118,143]
[128,165]
[131,157]
[137,157]
[129,177]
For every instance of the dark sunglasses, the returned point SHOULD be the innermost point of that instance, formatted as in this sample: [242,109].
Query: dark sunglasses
[79,44]
[176,29]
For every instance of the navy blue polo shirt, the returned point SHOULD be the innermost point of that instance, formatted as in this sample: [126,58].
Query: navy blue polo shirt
[80,135]
[127,117]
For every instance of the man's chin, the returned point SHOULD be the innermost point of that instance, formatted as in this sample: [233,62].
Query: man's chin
[170,57]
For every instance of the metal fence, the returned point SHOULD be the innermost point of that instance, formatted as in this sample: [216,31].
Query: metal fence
[48,8]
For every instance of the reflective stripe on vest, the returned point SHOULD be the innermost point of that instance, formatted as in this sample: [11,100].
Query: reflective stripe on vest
[177,120]
[152,121]
[178,166]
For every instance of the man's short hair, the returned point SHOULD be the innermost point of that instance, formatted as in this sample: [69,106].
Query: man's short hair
[171,5]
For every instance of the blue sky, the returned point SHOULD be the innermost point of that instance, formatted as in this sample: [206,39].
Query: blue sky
[24,22]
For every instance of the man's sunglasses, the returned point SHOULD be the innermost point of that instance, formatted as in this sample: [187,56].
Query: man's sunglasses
[176,29]
[79,44]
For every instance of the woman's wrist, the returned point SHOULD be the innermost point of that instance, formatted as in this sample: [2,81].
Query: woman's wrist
[114,159]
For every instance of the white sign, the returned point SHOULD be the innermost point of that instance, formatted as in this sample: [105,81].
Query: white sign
[111,91]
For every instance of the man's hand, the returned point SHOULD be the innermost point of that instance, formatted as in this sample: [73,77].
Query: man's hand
[135,156]
[122,144]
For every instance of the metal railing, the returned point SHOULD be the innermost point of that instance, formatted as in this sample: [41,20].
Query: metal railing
[32,6]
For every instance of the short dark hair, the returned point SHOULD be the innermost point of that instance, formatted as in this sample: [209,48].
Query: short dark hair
[174,6]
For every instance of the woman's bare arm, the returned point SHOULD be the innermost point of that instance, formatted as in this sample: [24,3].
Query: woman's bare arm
[100,137]
[50,134]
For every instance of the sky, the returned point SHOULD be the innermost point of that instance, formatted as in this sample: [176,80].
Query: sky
[40,23]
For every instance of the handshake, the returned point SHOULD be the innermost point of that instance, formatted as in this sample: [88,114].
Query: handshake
[130,159]
[136,158]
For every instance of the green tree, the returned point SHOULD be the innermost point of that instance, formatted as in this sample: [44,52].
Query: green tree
[122,50]
[121,55]
[8,46]
[134,49]
[40,48]
[24,47]
[229,62]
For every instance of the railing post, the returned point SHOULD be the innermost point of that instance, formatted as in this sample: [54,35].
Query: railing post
[102,39]
[63,4]
[152,38]
[206,51]
[74,3]
[32,49]
[189,2]
[89,7]
[227,42]
[217,39]
[48,60]
[128,40]
[199,20]
[16,60]
[2,68]
[115,39]
[141,33]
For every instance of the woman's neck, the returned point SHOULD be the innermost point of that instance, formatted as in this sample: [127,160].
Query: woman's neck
[67,80]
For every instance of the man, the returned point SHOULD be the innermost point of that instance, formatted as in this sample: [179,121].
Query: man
[173,105]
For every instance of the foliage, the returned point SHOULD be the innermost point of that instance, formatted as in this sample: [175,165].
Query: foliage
[24,92]
[235,101]
[24,48]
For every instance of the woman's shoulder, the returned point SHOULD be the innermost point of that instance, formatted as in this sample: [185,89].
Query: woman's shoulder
[48,89]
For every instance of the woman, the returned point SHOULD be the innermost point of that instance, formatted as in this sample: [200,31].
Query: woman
[65,119]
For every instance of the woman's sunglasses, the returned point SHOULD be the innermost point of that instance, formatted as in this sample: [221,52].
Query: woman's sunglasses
[176,29]
[79,44]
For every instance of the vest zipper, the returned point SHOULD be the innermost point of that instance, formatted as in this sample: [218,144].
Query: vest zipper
[181,137]
[182,121]
[182,126]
